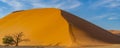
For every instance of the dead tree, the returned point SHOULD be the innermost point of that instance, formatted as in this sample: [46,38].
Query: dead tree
[19,38]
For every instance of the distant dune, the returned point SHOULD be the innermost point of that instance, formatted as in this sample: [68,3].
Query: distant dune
[55,27]
[117,32]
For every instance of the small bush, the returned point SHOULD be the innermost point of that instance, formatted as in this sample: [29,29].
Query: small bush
[8,40]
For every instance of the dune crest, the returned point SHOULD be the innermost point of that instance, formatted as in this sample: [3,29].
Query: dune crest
[55,27]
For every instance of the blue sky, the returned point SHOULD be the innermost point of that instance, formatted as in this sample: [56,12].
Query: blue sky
[104,13]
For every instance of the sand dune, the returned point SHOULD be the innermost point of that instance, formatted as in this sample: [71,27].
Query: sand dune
[117,32]
[50,26]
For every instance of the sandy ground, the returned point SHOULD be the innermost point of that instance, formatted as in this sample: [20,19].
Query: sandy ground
[112,46]
[109,46]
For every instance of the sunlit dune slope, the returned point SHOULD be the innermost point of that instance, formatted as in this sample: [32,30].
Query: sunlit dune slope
[50,26]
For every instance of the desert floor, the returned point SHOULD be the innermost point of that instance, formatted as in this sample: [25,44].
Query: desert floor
[109,46]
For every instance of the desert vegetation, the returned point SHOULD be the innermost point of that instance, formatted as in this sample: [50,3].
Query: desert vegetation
[14,39]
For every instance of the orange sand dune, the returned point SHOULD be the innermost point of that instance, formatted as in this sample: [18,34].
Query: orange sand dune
[50,26]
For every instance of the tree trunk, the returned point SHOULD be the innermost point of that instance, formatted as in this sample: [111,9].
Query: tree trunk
[16,44]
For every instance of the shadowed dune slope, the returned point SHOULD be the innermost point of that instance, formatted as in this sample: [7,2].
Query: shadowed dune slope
[50,27]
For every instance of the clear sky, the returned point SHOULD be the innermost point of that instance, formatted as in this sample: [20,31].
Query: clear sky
[104,13]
